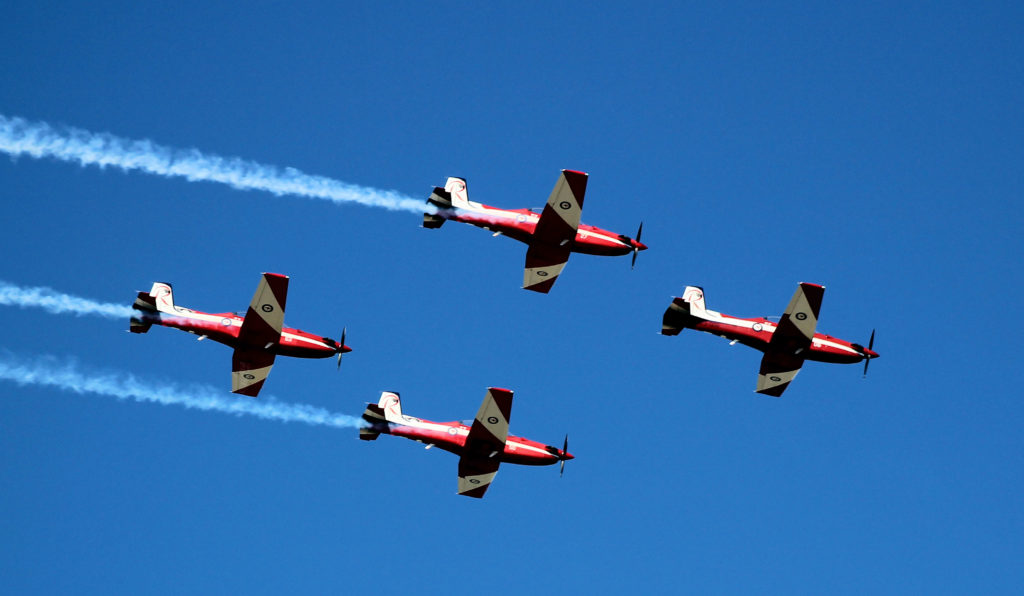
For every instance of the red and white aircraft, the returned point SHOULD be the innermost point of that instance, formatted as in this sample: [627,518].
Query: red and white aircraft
[481,447]
[257,338]
[551,236]
[785,344]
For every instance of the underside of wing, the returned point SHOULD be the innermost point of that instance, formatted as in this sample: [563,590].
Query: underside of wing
[565,203]
[777,371]
[796,326]
[485,443]
[265,316]
[544,263]
[551,243]
[249,369]
[476,475]
[490,427]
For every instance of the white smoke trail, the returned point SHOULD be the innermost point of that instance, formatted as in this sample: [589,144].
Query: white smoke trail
[57,303]
[49,372]
[38,139]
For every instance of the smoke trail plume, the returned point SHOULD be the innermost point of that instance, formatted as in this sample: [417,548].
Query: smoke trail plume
[57,303]
[49,372]
[38,139]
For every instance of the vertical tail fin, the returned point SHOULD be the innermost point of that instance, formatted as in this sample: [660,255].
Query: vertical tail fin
[391,405]
[683,311]
[459,192]
[164,297]
[376,417]
[695,297]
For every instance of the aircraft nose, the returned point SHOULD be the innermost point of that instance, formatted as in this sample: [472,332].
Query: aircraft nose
[567,456]
[344,349]
[868,353]
[639,245]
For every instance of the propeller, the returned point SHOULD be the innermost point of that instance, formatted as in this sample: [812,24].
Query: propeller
[867,359]
[565,449]
[341,348]
[636,250]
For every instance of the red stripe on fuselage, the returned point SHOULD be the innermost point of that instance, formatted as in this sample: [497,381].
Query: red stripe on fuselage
[453,439]
[225,329]
[818,352]
[588,240]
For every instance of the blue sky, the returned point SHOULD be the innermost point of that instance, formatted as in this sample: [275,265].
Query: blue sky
[875,149]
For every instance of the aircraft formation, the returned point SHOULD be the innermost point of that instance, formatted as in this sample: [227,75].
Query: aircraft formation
[259,336]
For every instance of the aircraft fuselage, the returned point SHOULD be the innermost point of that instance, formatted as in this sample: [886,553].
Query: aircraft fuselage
[224,327]
[520,224]
[757,333]
[451,437]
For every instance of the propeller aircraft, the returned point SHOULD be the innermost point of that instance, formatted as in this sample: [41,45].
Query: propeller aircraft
[551,236]
[481,447]
[786,344]
[258,337]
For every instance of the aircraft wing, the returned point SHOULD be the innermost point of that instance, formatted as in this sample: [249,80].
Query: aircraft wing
[544,263]
[793,335]
[797,325]
[485,443]
[475,475]
[265,316]
[249,369]
[551,243]
[777,371]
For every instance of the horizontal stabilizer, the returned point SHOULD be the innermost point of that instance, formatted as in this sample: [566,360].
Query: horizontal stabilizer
[373,416]
[146,305]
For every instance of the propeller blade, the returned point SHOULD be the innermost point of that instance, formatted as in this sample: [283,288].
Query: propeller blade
[636,250]
[867,360]
[344,330]
[565,449]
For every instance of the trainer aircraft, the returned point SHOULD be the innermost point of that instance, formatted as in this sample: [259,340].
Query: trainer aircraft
[786,344]
[258,337]
[481,447]
[551,236]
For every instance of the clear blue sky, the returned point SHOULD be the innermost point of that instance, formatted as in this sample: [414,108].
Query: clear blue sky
[875,149]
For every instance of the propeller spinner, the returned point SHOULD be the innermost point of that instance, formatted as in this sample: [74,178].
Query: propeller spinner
[341,347]
[565,452]
[867,358]
[637,245]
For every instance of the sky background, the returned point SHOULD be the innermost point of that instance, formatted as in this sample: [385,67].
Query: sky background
[876,149]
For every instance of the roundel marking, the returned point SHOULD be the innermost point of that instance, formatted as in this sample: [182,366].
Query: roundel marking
[774,378]
[226,322]
[758,326]
[452,431]
[474,481]
[520,218]
[565,204]
[248,376]
[542,274]
[267,308]
[492,420]
[800,316]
